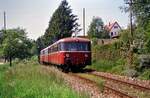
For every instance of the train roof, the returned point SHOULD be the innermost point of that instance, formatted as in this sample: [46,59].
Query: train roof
[69,39]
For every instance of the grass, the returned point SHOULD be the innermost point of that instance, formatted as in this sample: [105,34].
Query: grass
[145,75]
[30,80]
[108,65]
[99,81]
[102,65]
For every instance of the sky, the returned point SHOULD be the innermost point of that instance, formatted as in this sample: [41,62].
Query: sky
[34,15]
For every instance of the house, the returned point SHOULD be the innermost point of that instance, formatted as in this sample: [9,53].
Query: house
[113,29]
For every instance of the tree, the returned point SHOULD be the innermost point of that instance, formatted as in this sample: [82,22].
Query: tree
[140,10]
[40,43]
[62,24]
[96,29]
[1,37]
[16,44]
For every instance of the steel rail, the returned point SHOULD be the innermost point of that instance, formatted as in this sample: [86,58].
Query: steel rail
[143,88]
[106,87]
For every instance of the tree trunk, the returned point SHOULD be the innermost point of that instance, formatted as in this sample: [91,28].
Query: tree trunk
[10,60]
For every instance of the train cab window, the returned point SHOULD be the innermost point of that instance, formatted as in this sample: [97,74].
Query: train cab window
[75,46]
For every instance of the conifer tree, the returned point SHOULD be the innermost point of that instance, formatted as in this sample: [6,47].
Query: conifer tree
[62,23]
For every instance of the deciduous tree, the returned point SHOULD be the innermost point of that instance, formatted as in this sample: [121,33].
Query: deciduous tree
[96,29]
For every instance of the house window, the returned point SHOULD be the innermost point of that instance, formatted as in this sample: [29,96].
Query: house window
[115,27]
[111,33]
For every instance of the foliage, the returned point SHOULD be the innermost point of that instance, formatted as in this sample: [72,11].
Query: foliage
[62,24]
[40,42]
[96,29]
[145,74]
[29,80]
[17,45]
[108,57]
[125,39]
[130,72]
[140,10]
[1,51]
[94,41]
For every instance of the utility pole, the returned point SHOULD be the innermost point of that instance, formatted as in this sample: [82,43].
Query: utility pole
[131,26]
[4,20]
[130,54]
[84,21]
[9,52]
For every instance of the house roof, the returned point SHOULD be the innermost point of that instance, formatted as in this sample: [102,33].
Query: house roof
[110,25]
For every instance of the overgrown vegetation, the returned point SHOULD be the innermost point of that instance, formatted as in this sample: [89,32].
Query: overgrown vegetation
[27,79]
[113,58]
[108,58]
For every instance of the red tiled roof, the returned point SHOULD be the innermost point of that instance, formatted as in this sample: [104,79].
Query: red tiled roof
[110,25]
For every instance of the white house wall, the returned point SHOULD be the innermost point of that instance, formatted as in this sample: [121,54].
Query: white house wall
[114,29]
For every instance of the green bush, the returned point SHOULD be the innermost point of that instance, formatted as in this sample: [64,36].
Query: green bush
[145,75]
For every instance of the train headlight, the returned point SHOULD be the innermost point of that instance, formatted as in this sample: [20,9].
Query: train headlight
[86,55]
[67,55]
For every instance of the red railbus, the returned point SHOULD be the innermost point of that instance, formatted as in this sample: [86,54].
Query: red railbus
[68,53]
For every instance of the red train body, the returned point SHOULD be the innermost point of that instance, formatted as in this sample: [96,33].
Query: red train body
[68,52]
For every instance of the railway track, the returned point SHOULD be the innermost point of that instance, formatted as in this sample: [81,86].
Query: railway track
[134,85]
[107,89]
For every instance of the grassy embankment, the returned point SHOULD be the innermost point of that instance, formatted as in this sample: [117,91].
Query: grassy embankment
[29,80]
[110,58]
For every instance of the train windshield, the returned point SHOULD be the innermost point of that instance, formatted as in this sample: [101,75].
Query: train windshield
[75,46]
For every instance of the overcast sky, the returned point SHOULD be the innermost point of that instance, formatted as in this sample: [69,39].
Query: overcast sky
[34,15]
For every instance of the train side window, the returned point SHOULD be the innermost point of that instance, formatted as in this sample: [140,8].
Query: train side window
[49,50]
[46,51]
[58,47]
[52,49]
[89,46]
[62,46]
[55,48]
